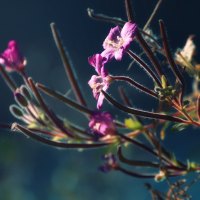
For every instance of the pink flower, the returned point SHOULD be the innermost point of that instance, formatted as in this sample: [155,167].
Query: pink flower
[118,41]
[11,58]
[97,61]
[102,124]
[100,82]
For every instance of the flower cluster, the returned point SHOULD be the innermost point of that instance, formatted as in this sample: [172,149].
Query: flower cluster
[115,46]
[176,111]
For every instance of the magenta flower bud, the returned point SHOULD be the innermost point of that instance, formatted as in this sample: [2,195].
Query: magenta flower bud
[101,123]
[12,59]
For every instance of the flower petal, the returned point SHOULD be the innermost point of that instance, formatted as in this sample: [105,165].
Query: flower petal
[102,123]
[108,54]
[100,100]
[112,36]
[119,53]
[129,30]
[103,72]
[97,61]
[127,43]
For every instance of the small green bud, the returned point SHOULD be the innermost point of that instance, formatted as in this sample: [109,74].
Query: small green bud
[132,124]
[163,82]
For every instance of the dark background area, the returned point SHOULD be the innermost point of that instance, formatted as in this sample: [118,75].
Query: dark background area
[32,171]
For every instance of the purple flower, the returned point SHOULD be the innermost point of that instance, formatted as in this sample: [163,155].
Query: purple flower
[118,41]
[97,61]
[101,123]
[100,82]
[110,163]
[11,58]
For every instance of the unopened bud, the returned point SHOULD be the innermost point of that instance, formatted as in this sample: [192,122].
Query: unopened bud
[163,81]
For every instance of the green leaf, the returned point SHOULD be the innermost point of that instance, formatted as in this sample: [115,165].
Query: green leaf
[132,124]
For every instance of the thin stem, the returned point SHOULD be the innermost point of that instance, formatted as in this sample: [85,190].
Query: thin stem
[172,188]
[81,132]
[134,174]
[105,18]
[153,140]
[68,68]
[192,183]
[145,67]
[52,133]
[8,80]
[129,11]
[49,113]
[152,15]
[152,38]
[32,101]
[135,162]
[5,126]
[127,102]
[64,99]
[119,123]
[124,97]
[69,102]
[145,114]
[139,131]
[139,144]
[180,109]
[47,133]
[155,194]
[165,153]
[198,107]
[35,117]
[170,59]
[144,163]
[188,110]
[153,152]
[149,54]
[36,137]
[183,112]
[25,77]
[135,84]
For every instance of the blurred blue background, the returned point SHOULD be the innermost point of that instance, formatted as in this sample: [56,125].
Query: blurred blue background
[32,171]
